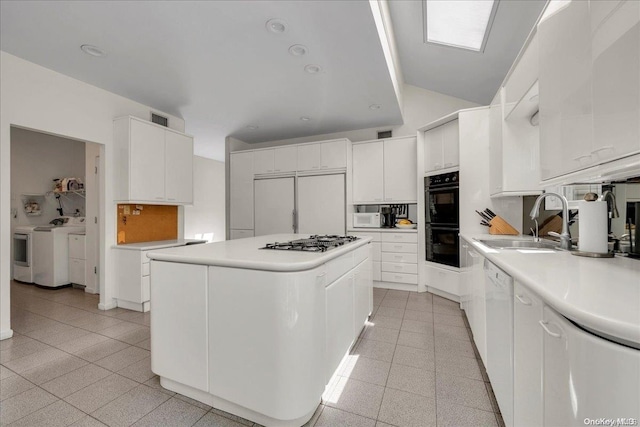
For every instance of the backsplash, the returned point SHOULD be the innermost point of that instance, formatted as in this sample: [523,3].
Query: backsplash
[146,223]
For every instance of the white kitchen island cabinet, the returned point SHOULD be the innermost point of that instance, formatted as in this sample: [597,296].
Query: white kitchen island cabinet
[257,333]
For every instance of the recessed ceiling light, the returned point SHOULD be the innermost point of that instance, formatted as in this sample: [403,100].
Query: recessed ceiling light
[252,127]
[464,23]
[298,50]
[313,69]
[276,26]
[375,106]
[92,50]
[305,119]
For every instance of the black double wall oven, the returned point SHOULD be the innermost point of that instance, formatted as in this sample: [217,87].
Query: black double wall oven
[442,218]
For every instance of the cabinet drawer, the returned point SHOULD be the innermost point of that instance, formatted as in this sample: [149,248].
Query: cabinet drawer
[409,248]
[338,266]
[145,269]
[374,236]
[393,257]
[399,267]
[399,277]
[76,246]
[375,270]
[400,237]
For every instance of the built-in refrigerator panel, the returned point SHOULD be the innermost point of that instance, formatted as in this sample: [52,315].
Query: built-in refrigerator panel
[274,206]
[321,204]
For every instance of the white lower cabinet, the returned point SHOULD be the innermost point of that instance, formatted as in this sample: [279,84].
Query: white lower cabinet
[340,315]
[362,295]
[442,279]
[132,275]
[240,234]
[527,358]
[77,259]
[585,376]
[472,298]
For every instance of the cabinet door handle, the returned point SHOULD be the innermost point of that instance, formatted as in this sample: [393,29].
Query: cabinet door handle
[523,300]
[582,157]
[605,148]
[546,329]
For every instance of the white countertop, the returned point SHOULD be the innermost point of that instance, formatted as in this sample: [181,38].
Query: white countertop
[382,230]
[600,294]
[159,244]
[246,253]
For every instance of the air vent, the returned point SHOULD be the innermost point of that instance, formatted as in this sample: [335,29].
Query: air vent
[159,120]
[384,134]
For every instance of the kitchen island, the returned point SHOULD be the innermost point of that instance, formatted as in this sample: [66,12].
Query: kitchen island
[257,332]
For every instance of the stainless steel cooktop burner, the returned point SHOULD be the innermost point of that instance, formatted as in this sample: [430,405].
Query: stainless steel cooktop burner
[314,243]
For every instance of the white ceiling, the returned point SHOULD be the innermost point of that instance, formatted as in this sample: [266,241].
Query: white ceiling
[457,72]
[214,64]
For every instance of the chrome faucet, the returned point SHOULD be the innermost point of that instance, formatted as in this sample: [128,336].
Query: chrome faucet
[565,236]
[610,198]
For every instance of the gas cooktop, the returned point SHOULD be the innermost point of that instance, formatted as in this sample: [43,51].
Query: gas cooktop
[314,243]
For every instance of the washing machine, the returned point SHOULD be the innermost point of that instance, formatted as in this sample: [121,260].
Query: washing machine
[51,251]
[23,253]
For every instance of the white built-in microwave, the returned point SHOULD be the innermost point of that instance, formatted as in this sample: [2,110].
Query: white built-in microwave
[366,220]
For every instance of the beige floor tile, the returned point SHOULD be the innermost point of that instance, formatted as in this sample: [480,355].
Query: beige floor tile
[75,380]
[131,316]
[14,385]
[425,306]
[415,340]
[101,392]
[131,406]
[135,336]
[438,300]
[446,347]
[398,313]
[455,332]
[415,357]
[21,350]
[381,424]
[119,329]
[120,360]
[34,359]
[393,293]
[422,296]
[377,350]
[394,303]
[82,342]
[417,326]
[356,397]
[386,322]
[446,309]
[50,370]
[460,366]
[88,421]
[450,415]
[420,315]
[449,319]
[95,322]
[155,383]
[62,337]
[146,344]
[57,414]
[101,350]
[404,409]
[139,371]
[412,380]
[232,417]
[211,419]
[462,391]
[173,412]
[6,372]
[14,341]
[23,404]
[367,370]
[376,333]
[332,417]
[201,405]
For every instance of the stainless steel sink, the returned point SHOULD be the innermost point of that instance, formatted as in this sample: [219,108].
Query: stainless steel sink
[519,244]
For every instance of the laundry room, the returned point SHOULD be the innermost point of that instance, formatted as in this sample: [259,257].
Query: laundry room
[50,195]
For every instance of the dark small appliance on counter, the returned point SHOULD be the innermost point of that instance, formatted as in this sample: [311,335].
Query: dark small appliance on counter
[388,217]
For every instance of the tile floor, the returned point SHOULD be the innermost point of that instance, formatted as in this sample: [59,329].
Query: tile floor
[72,364]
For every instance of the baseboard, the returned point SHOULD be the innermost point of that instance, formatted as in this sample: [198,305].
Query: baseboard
[5,335]
[109,306]
[91,291]
[443,294]
[395,286]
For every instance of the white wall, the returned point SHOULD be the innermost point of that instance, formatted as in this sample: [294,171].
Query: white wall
[207,215]
[37,98]
[36,159]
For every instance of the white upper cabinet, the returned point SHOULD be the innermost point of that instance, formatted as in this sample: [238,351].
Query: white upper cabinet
[524,75]
[400,170]
[285,159]
[309,157]
[241,187]
[179,168]
[368,178]
[333,154]
[263,161]
[589,85]
[442,147]
[154,164]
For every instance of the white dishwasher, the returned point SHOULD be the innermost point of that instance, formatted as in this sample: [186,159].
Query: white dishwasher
[499,307]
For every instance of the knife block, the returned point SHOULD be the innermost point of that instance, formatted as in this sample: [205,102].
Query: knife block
[500,226]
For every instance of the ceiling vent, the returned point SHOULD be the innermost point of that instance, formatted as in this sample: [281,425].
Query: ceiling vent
[384,134]
[159,120]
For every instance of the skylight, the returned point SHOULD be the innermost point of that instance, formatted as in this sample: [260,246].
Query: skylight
[459,23]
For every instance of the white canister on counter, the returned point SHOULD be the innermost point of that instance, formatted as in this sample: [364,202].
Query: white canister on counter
[592,226]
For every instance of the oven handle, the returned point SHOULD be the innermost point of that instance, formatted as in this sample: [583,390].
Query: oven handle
[19,236]
[444,228]
[439,189]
